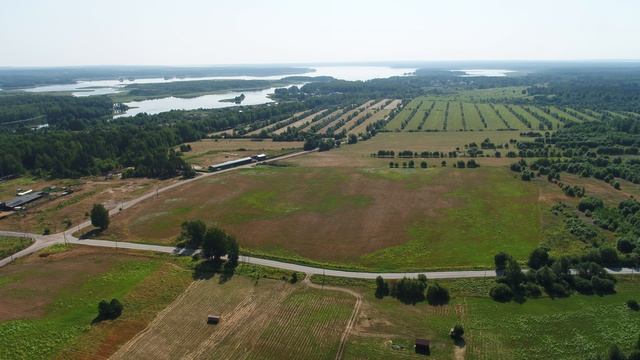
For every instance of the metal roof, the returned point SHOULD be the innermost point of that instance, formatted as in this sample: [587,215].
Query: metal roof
[21,200]
[231,162]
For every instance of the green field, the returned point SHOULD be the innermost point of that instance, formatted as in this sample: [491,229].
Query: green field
[47,304]
[498,114]
[435,121]
[577,327]
[417,121]
[404,115]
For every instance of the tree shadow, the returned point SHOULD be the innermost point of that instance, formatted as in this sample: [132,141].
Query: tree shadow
[90,234]
[207,269]
[459,342]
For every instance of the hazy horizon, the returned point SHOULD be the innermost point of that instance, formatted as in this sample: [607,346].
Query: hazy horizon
[37,33]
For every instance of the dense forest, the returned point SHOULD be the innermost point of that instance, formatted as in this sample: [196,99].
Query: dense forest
[16,78]
[61,111]
[142,142]
[193,88]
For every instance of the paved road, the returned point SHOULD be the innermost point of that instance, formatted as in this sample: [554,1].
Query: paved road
[41,241]
[44,241]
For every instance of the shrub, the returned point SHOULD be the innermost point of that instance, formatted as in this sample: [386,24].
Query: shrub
[437,295]
[625,246]
[382,288]
[500,259]
[634,355]
[538,258]
[582,285]
[615,353]
[109,310]
[457,332]
[590,203]
[501,293]
[609,257]
[633,305]
[558,290]
[602,286]
[99,217]
[409,291]
[532,290]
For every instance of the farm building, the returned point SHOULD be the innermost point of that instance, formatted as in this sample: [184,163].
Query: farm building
[230,164]
[19,201]
[423,346]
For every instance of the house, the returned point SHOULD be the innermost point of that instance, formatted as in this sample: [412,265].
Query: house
[423,346]
[213,319]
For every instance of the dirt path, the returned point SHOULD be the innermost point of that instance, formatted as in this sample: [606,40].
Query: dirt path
[352,318]
[458,352]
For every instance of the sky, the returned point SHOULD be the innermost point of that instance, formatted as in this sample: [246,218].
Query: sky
[201,32]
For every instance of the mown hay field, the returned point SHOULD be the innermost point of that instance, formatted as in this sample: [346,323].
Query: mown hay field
[264,319]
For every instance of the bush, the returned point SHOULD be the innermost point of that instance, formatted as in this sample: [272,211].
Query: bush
[625,246]
[382,288]
[558,290]
[99,217]
[609,257]
[501,293]
[457,332]
[615,353]
[109,310]
[634,355]
[582,285]
[437,295]
[532,290]
[409,291]
[633,305]
[538,258]
[602,286]
[500,260]
[590,203]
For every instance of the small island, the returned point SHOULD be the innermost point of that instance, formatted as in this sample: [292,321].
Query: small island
[237,99]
